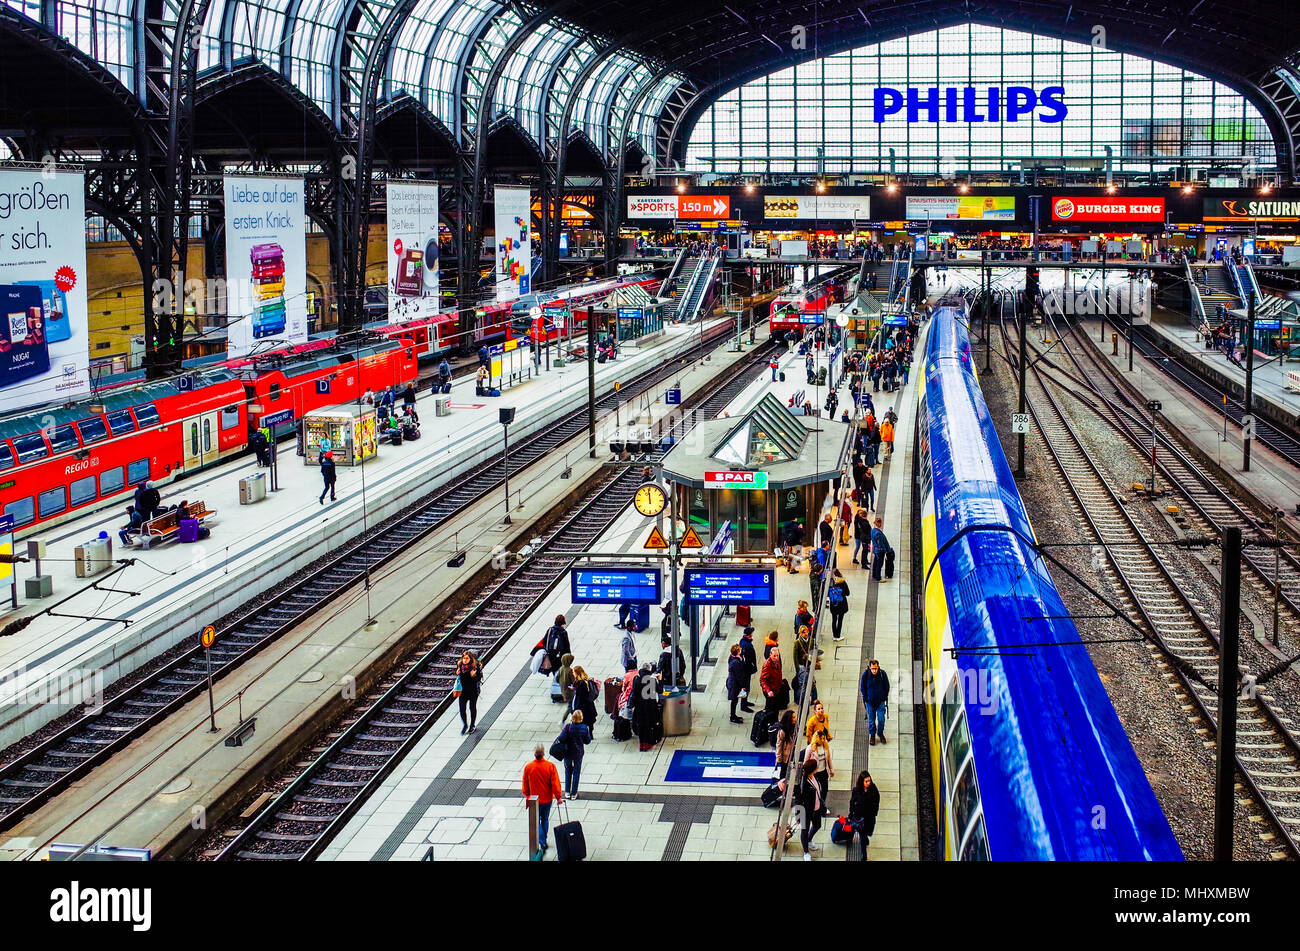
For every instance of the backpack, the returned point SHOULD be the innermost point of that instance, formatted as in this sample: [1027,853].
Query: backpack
[835,596]
[560,745]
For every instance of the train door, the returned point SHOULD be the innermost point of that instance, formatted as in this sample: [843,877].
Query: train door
[199,435]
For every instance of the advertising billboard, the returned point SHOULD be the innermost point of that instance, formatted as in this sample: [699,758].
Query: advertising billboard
[1107,208]
[266,262]
[830,207]
[696,207]
[514,249]
[412,250]
[961,208]
[44,333]
[1251,210]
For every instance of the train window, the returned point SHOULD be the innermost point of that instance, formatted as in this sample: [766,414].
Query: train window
[6,456]
[275,392]
[83,490]
[146,414]
[23,511]
[92,429]
[30,446]
[958,746]
[207,435]
[137,471]
[110,481]
[229,418]
[52,501]
[965,798]
[63,438]
[976,848]
[120,422]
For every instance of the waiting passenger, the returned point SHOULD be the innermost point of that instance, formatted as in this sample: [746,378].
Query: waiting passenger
[134,521]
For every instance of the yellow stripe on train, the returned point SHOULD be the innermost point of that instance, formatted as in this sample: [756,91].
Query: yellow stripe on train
[936,635]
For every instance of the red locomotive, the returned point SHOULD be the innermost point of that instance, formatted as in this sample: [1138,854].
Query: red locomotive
[800,309]
[59,463]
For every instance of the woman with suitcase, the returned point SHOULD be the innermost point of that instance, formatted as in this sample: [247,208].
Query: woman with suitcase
[585,692]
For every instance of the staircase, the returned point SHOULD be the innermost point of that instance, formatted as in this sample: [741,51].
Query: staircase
[669,286]
[1216,288]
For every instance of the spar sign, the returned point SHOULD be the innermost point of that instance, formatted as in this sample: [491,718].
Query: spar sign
[696,207]
[1075,208]
[735,480]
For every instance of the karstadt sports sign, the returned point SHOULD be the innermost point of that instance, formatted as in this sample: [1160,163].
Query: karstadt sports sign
[1107,208]
[696,207]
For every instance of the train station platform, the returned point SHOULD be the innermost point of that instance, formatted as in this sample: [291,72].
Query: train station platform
[457,798]
[151,794]
[169,593]
[1272,479]
[1274,399]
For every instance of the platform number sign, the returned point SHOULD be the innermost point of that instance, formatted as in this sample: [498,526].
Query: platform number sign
[673,397]
[1248,427]
[322,386]
[1020,422]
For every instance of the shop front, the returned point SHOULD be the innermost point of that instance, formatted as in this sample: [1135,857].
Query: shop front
[348,430]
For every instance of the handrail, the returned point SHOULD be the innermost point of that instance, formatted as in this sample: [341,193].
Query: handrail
[1198,306]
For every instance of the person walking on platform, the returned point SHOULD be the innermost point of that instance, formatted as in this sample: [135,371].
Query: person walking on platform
[737,677]
[861,537]
[624,610]
[442,382]
[261,447]
[647,717]
[541,779]
[585,692]
[811,795]
[860,471]
[557,641]
[774,366]
[802,617]
[826,529]
[769,681]
[469,675]
[786,733]
[887,437]
[565,679]
[573,737]
[874,687]
[869,490]
[818,734]
[628,649]
[746,646]
[837,599]
[802,646]
[882,553]
[864,804]
[329,474]
[846,519]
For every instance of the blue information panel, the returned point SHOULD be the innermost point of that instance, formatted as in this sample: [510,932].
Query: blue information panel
[721,766]
[615,585]
[724,585]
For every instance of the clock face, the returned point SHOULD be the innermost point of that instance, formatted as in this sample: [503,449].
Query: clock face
[649,499]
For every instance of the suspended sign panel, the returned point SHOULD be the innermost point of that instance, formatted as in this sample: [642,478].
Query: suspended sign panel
[1075,208]
[615,585]
[44,329]
[412,250]
[961,207]
[730,586]
[830,207]
[266,262]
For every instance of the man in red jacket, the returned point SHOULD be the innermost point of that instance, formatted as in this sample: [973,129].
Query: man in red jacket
[769,680]
[543,781]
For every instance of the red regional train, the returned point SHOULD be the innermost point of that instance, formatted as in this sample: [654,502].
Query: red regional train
[437,335]
[60,462]
[578,300]
[800,309]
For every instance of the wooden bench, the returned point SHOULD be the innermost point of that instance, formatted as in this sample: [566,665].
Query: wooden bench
[166,527]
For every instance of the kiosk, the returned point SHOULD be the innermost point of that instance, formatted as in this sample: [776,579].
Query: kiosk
[351,430]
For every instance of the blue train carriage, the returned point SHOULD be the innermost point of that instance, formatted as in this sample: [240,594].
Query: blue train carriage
[1028,757]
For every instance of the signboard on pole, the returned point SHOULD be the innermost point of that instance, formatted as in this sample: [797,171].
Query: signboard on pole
[266,262]
[44,328]
[728,479]
[514,249]
[412,250]
[726,585]
[615,584]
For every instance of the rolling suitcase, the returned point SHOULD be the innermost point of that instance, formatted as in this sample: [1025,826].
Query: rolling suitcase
[743,615]
[557,692]
[758,733]
[772,794]
[188,530]
[613,686]
[622,729]
[570,844]
[889,564]
[781,376]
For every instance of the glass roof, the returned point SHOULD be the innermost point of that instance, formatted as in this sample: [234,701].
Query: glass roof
[442,54]
[769,434]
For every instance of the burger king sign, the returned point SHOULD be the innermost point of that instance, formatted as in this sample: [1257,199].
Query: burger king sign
[1078,208]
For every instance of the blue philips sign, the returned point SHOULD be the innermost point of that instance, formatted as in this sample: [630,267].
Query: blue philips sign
[970,104]
[723,585]
[615,585]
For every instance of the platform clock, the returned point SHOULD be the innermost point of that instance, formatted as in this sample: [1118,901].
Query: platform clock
[649,499]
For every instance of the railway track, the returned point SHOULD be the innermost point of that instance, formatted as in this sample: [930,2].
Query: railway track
[1270,434]
[50,767]
[378,734]
[1154,597]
